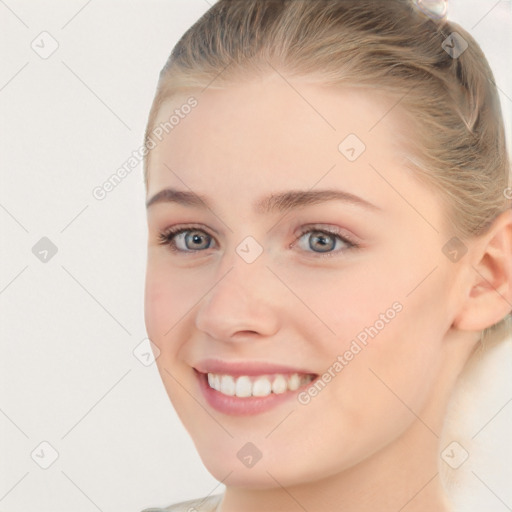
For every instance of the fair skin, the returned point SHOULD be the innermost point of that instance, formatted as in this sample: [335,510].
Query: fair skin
[370,439]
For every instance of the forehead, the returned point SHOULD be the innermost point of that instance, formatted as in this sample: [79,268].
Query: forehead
[276,105]
[277,134]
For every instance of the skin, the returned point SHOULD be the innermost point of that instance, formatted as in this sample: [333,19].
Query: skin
[370,439]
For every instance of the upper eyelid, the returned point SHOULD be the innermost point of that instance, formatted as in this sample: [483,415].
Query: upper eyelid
[309,226]
[305,229]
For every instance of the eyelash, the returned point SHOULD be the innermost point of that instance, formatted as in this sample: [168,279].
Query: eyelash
[167,237]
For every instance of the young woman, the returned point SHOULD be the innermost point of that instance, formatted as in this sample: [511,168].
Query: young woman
[330,239]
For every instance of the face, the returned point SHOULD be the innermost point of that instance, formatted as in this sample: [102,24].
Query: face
[306,283]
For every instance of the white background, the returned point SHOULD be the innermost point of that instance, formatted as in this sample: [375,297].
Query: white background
[69,326]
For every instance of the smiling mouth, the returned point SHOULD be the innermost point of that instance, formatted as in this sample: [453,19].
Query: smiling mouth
[245,386]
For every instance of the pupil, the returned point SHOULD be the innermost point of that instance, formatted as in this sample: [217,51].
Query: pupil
[325,242]
[195,238]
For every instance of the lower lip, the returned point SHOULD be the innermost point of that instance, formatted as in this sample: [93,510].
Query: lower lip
[242,406]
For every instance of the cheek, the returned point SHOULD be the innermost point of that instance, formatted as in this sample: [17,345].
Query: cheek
[169,294]
[390,342]
[397,368]
[164,305]
[381,383]
[157,303]
[347,300]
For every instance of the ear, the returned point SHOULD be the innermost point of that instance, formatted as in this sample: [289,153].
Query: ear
[489,296]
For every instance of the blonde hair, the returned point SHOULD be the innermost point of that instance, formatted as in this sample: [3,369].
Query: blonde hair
[459,148]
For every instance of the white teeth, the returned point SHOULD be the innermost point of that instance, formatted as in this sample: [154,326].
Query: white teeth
[260,386]
[243,387]
[294,382]
[227,385]
[279,385]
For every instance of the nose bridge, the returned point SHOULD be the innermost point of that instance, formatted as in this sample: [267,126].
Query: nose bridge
[240,298]
[243,271]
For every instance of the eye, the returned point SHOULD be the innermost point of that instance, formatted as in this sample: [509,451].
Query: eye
[324,242]
[185,239]
[321,241]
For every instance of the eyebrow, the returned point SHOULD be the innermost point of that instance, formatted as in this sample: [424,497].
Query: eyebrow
[280,202]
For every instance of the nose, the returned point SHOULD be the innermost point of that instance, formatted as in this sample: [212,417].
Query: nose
[242,304]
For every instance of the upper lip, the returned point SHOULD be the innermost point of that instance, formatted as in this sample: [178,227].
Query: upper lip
[249,368]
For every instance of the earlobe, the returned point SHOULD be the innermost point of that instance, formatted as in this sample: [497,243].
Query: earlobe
[490,291]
